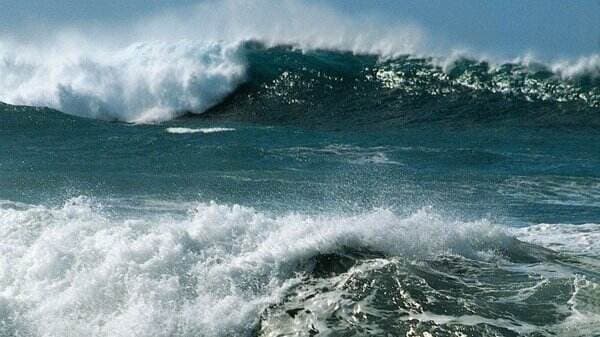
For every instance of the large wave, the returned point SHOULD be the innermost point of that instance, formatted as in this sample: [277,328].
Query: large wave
[150,82]
[161,67]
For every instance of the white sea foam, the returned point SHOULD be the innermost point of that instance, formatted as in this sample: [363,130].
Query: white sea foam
[201,130]
[76,270]
[581,239]
[144,82]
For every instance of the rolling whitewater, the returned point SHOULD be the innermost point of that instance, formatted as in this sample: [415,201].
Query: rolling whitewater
[257,189]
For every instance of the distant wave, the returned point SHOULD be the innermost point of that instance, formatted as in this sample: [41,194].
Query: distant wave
[154,82]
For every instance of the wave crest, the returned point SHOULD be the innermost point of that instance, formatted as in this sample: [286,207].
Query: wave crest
[145,82]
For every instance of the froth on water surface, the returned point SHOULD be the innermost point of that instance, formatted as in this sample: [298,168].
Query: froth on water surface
[216,270]
[202,130]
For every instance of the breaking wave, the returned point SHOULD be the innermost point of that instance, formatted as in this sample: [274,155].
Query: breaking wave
[153,82]
[145,82]
[82,270]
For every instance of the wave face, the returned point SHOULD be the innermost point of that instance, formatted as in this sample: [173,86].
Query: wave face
[216,270]
[150,82]
[341,90]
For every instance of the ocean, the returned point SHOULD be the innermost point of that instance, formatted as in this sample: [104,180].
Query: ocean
[267,190]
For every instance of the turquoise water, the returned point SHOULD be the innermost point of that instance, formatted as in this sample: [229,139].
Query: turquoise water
[329,194]
[530,174]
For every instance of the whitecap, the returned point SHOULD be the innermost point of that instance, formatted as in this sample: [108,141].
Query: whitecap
[144,82]
[201,130]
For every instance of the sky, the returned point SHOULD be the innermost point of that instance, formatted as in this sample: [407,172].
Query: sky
[510,28]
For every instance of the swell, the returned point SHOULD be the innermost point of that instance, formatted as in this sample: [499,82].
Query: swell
[153,82]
